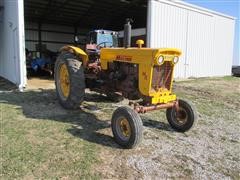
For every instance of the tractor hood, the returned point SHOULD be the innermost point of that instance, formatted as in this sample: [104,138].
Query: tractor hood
[147,56]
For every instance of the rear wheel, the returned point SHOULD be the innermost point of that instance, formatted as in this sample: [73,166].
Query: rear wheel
[127,127]
[69,80]
[184,119]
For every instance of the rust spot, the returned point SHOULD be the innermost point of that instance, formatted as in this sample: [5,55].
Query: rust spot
[145,75]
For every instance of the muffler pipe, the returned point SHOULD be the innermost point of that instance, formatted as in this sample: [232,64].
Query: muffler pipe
[127,33]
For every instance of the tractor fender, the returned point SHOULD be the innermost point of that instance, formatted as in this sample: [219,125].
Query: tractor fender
[77,51]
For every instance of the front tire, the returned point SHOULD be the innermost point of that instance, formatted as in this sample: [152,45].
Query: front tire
[185,118]
[69,80]
[127,127]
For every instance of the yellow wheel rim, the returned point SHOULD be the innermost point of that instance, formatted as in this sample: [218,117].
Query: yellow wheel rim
[125,127]
[64,80]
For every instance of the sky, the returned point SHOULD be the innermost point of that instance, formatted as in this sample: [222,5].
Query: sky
[228,7]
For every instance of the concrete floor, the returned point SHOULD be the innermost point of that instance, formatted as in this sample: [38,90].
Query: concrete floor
[33,83]
[40,83]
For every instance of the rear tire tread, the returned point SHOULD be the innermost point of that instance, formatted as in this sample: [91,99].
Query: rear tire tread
[77,80]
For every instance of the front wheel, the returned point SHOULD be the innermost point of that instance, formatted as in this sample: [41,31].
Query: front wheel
[185,118]
[127,127]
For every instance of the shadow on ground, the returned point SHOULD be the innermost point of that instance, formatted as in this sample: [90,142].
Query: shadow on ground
[156,124]
[43,105]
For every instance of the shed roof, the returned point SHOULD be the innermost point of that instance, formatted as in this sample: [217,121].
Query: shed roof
[105,14]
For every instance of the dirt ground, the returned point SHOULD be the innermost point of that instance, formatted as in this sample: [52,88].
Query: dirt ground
[211,150]
[40,83]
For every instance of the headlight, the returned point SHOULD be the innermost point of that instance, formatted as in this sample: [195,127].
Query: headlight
[175,59]
[160,60]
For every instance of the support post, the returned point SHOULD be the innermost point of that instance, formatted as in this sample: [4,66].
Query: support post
[40,38]
[75,34]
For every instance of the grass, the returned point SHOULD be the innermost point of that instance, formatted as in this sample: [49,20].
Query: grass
[41,147]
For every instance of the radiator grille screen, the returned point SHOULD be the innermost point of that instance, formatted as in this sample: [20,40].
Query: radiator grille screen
[162,76]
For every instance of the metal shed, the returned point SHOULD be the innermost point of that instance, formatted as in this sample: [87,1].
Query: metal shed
[205,37]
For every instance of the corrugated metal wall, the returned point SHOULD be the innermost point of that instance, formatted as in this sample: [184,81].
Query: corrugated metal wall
[223,45]
[32,36]
[199,45]
[53,36]
[205,38]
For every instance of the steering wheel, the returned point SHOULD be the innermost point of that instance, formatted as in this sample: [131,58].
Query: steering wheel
[104,43]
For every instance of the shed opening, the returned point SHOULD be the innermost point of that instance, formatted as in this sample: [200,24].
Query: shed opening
[51,24]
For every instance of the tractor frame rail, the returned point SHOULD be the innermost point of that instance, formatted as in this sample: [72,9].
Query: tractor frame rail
[143,109]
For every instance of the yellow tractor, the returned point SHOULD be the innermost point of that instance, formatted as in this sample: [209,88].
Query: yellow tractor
[142,75]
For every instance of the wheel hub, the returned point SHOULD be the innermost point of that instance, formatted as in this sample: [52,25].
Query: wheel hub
[125,127]
[64,80]
[181,116]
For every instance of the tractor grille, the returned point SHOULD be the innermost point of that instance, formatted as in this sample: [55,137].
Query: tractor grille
[162,76]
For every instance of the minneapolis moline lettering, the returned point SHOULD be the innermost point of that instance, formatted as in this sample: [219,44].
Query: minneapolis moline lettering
[123,58]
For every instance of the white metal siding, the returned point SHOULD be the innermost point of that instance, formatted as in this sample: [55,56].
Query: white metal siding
[12,60]
[8,60]
[169,29]
[200,37]
[1,37]
[223,45]
[205,37]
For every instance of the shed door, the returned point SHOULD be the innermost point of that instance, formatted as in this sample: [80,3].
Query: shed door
[1,37]
[12,60]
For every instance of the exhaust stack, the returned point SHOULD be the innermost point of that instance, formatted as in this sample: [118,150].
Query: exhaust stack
[127,33]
